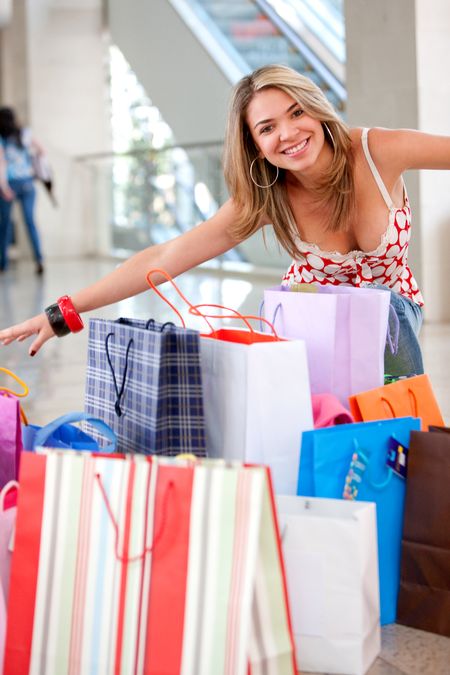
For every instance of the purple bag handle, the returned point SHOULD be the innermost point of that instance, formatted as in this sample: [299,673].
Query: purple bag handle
[393,341]
[260,312]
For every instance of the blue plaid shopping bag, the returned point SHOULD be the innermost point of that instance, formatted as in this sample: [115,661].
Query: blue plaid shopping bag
[144,380]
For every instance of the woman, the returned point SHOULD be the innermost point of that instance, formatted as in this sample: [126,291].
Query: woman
[335,197]
[16,182]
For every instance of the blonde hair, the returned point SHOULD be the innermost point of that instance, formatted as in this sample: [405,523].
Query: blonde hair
[337,187]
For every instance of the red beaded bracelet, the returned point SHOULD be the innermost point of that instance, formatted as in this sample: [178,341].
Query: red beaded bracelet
[70,314]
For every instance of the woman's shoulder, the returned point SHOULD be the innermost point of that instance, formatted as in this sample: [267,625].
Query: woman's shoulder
[375,135]
[383,143]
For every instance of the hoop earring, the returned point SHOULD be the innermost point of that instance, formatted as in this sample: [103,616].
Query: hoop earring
[257,184]
[333,143]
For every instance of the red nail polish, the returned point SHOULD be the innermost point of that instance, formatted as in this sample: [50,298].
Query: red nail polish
[32,353]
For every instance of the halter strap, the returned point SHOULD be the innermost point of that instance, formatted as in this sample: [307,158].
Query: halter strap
[376,174]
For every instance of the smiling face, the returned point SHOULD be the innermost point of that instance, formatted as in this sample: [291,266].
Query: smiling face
[285,135]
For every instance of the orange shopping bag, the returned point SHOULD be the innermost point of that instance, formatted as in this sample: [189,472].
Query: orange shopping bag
[411,396]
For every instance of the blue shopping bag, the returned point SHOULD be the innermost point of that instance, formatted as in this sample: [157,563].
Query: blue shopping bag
[62,433]
[325,459]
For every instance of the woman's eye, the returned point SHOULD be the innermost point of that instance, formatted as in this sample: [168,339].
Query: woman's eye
[266,130]
[298,112]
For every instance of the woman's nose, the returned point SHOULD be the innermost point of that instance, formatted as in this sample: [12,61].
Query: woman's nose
[286,131]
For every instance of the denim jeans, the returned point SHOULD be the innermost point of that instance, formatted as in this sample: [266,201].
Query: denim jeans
[26,194]
[408,358]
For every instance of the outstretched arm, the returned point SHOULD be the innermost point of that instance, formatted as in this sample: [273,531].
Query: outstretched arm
[205,241]
[397,150]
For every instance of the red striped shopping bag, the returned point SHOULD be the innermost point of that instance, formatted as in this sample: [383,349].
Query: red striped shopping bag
[131,565]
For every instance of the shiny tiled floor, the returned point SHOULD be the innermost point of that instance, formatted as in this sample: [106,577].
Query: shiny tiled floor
[55,377]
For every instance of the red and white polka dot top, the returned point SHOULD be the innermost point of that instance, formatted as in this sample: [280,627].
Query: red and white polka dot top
[386,265]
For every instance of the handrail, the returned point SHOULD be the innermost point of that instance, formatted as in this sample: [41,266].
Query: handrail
[110,154]
[304,50]
[321,26]
[219,49]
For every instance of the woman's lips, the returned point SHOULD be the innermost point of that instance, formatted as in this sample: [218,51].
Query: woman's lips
[296,150]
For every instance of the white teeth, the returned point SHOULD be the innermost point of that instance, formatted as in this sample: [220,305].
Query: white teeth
[300,146]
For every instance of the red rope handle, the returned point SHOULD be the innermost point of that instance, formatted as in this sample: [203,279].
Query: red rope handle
[194,309]
[157,536]
[234,315]
[167,276]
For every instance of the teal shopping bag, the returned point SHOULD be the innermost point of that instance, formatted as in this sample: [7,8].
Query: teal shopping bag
[325,465]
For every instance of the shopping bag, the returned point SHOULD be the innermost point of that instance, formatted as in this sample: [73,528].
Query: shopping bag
[7,523]
[424,597]
[146,565]
[62,433]
[144,380]
[257,403]
[344,329]
[327,470]
[11,415]
[411,396]
[257,399]
[330,553]
[329,411]
[10,438]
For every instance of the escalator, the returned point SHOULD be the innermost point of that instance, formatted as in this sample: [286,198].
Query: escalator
[306,35]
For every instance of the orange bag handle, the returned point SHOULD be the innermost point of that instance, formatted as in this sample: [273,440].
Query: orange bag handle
[389,405]
[234,315]
[194,309]
[167,277]
[412,397]
[18,380]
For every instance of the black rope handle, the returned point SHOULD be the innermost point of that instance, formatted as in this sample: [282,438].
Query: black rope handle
[151,325]
[119,392]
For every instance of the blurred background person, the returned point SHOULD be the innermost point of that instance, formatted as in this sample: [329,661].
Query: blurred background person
[17,147]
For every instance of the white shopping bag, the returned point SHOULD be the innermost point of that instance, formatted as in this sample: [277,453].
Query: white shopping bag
[330,553]
[257,402]
[345,332]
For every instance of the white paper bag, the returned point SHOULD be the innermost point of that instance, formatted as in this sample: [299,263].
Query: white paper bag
[330,553]
[257,402]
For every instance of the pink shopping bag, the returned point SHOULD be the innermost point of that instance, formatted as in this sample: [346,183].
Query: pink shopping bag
[11,416]
[7,523]
[10,438]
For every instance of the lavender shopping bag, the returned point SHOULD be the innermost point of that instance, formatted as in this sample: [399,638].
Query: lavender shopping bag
[344,328]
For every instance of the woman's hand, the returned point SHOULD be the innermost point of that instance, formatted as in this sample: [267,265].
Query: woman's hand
[7,193]
[38,325]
